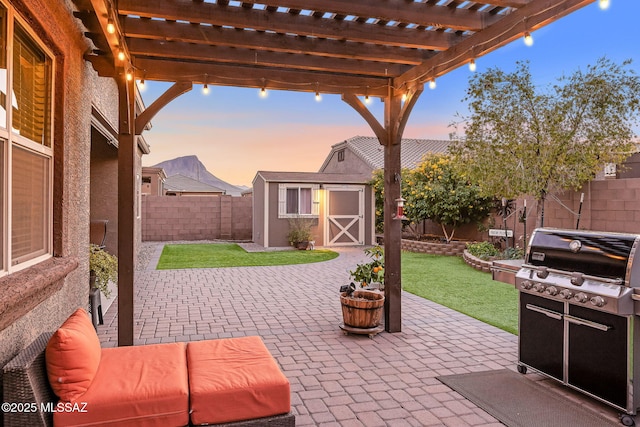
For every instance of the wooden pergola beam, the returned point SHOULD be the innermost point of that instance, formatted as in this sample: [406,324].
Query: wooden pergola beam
[227,55]
[238,17]
[534,15]
[218,36]
[227,75]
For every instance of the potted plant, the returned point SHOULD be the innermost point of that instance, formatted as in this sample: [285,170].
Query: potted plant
[371,274]
[103,269]
[362,308]
[300,234]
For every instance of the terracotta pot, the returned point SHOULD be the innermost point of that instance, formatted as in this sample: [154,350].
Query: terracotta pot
[362,309]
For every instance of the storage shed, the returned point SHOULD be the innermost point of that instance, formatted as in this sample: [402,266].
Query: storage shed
[339,206]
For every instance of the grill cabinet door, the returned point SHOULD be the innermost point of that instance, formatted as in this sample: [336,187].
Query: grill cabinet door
[541,336]
[597,358]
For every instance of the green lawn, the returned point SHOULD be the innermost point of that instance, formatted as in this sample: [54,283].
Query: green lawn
[232,255]
[449,281]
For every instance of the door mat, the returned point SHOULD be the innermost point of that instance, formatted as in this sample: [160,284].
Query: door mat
[519,402]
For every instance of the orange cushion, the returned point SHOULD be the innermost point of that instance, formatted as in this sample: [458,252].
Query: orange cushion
[235,379]
[136,386]
[72,356]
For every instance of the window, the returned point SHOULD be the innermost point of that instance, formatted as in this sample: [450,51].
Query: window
[26,154]
[341,155]
[298,200]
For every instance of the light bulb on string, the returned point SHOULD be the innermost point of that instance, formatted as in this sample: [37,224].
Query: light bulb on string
[263,92]
[205,89]
[432,84]
[129,75]
[141,85]
[121,55]
[604,4]
[528,40]
[367,100]
[472,65]
[318,97]
[111,26]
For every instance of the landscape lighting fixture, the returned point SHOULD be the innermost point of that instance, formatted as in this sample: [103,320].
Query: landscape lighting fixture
[604,4]
[472,65]
[528,40]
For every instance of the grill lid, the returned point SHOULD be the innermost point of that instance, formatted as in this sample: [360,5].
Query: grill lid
[592,253]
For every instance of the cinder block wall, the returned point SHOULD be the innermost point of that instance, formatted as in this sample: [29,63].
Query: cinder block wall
[166,218]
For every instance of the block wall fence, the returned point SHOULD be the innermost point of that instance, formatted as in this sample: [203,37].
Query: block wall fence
[609,205]
[170,218]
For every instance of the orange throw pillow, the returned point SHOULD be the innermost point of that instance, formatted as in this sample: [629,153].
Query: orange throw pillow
[72,357]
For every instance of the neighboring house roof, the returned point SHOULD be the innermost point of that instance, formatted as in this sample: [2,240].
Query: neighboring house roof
[183,184]
[368,148]
[314,177]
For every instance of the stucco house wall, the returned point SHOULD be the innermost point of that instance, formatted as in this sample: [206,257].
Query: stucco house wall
[40,297]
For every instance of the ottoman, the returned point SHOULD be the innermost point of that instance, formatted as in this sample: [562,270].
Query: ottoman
[234,379]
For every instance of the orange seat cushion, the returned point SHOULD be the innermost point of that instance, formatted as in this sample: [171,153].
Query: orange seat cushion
[73,356]
[136,386]
[235,379]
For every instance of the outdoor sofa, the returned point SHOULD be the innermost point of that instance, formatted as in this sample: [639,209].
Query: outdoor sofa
[65,378]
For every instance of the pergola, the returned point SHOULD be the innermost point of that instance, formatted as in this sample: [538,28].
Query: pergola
[356,48]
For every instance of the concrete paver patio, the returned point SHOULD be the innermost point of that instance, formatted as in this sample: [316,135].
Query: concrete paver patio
[336,379]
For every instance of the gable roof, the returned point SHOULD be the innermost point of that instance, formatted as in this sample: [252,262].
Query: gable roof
[313,177]
[368,148]
[181,183]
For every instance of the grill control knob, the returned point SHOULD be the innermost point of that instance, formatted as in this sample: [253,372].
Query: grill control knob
[527,284]
[551,290]
[598,301]
[542,272]
[566,293]
[539,287]
[581,297]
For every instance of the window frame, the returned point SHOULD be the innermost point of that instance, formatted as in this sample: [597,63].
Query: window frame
[11,140]
[282,200]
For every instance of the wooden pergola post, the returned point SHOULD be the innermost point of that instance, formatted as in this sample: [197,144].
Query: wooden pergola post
[130,127]
[126,209]
[396,114]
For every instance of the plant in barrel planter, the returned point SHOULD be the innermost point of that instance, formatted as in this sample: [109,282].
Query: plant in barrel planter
[362,308]
[103,268]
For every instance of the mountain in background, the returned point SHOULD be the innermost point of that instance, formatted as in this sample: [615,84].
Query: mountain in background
[193,168]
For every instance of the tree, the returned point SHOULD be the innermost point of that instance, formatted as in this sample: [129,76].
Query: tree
[520,140]
[436,190]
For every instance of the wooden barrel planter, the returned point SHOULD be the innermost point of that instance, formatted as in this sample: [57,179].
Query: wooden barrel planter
[362,309]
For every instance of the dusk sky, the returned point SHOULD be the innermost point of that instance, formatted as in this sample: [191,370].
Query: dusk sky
[235,133]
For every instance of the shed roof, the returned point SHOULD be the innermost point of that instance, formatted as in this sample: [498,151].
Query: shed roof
[313,177]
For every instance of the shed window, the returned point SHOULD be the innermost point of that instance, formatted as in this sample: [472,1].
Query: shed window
[298,200]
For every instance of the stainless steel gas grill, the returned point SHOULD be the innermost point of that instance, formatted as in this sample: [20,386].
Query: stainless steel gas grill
[578,323]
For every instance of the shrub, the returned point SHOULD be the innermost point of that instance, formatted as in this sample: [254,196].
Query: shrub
[482,250]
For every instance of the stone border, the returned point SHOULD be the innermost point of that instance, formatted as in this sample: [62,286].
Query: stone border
[476,262]
[454,248]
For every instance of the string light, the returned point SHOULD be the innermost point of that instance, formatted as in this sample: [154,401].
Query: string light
[142,85]
[472,65]
[432,83]
[205,89]
[404,96]
[604,4]
[111,26]
[263,92]
[528,40]
[129,75]
[367,100]
[318,97]
[121,55]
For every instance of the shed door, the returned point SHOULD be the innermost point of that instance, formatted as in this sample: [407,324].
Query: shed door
[345,215]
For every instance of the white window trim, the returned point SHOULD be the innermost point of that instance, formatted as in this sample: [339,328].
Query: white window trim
[13,139]
[282,200]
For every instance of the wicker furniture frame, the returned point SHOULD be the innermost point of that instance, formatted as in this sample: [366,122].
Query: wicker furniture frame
[25,381]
